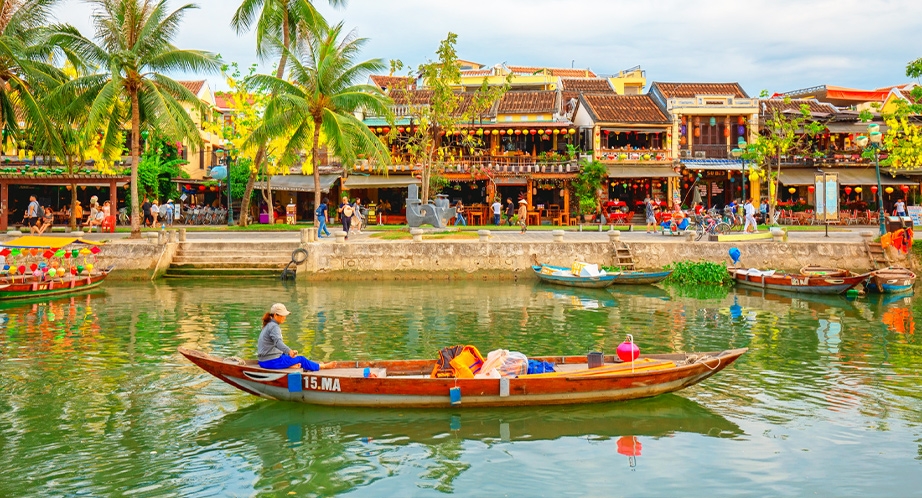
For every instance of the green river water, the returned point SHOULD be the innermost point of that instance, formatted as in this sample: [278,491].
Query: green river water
[95,400]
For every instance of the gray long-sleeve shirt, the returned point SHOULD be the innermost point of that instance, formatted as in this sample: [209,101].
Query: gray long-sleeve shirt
[270,345]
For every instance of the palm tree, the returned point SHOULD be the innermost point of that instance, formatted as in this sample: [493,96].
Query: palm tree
[23,70]
[278,24]
[134,50]
[322,98]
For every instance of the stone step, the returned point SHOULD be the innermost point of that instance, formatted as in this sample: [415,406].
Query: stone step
[281,246]
[223,264]
[218,254]
[222,272]
[232,258]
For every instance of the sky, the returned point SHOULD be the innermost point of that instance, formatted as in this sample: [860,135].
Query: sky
[776,45]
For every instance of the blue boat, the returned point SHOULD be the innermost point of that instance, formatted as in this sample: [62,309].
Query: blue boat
[633,277]
[892,280]
[563,276]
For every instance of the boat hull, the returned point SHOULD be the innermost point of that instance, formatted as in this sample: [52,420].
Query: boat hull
[584,282]
[640,277]
[407,383]
[890,281]
[28,288]
[801,284]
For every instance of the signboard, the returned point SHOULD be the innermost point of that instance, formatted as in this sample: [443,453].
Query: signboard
[826,189]
[915,212]
[290,214]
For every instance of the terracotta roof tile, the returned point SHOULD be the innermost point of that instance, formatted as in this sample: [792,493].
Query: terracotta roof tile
[222,100]
[594,85]
[610,108]
[422,97]
[528,102]
[686,90]
[193,86]
[388,82]
[768,106]
[553,71]
[476,72]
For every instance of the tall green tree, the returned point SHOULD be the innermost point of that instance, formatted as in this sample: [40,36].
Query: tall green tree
[133,50]
[279,25]
[321,100]
[24,69]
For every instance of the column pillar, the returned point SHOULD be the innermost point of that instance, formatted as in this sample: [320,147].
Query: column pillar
[529,185]
[566,197]
[113,198]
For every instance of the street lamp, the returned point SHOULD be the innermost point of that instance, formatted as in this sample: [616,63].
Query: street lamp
[875,139]
[737,153]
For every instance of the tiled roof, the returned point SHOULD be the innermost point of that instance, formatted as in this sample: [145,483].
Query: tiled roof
[565,98]
[193,86]
[815,107]
[422,97]
[553,71]
[610,108]
[389,82]
[477,72]
[222,100]
[687,90]
[528,102]
[594,85]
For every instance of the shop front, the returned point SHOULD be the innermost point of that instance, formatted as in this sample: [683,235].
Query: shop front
[629,185]
[297,190]
[385,196]
[56,191]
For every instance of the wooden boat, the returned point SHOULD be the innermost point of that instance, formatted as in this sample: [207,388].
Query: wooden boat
[407,383]
[797,282]
[890,280]
[552,274]
[631,277]
[29,287]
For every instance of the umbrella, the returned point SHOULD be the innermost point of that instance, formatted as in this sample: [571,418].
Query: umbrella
[696,196]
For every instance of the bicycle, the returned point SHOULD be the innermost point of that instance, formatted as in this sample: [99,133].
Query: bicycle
[709,225]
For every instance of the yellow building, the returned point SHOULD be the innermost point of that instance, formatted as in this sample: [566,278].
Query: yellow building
[201,158]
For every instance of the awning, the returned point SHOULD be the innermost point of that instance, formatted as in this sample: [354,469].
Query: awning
[713,164]
[857,128]
[850,176]
[515,181]
[375,181]
[641,172]
[39,241]
[298,183]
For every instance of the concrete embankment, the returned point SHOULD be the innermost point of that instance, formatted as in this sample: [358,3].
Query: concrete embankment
[502,256]
[473,259]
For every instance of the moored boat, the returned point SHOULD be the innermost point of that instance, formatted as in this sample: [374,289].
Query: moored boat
[795,282]
[824,271]
[407,383]
[564,276]
[40,266]
[632,277]
[891,280]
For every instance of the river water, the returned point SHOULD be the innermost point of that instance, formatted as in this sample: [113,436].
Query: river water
[95,400]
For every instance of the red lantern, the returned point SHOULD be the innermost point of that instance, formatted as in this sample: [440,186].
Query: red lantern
[502,132]
[605,132]
[697,132]
[415,128]
[740,120]
[904,188]
[548,131]
[533,132]
[387,129]
[400,129]
[726,131]
[188,187]
[201,188]
[874,189]
[848,190]
[518,132]
[472,132]
[811,188]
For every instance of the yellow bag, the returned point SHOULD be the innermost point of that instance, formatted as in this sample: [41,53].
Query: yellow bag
[467,363]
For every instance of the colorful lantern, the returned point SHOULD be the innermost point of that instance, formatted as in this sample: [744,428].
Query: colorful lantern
[792,190]
[888,190]
[697,132]
[495,132]
[727,131]
[540,132]
[857,190]
[874,189]
[532,131]
[741,129]
[556,132]
[627,350]
[740,120]
[33,267]
[904,188]
[47,254]
[201,188]
[33,252]
[5,252]
[509,131]
[571,131]
[518,132]
[387,129]
[811,189]
[547,132]
[400,129]
[74,253]
[378,130]
[848,190]
[95,250]
[712,121]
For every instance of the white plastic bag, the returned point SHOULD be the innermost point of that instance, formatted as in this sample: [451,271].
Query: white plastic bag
[491,363]
[514,365]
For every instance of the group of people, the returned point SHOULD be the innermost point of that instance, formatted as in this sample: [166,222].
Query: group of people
[512,215]
[351,215]
[680,219]
[153,211]
[40,220]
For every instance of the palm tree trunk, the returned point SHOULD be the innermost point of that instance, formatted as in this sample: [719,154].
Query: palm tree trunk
[244,218]
[315,164]
[135,159]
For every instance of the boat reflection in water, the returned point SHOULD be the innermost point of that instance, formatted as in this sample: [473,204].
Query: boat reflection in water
[365,437]
[576,297]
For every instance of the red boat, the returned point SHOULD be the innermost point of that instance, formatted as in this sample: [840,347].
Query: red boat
[28,287]
[40,266]
[817,282]
[407,383]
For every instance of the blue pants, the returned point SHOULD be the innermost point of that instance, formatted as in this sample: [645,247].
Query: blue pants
[459,220]
[322,226]
[286,361]
[496,219]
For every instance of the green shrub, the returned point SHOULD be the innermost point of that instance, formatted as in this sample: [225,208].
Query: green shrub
[699,273]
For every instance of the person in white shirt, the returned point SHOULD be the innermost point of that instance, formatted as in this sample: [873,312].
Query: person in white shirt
[750,211]
[497,209]
[900,208]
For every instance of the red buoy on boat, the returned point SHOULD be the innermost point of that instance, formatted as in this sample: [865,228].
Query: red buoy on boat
[627,350]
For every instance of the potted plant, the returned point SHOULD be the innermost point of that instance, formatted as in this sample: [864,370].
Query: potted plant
[587,184]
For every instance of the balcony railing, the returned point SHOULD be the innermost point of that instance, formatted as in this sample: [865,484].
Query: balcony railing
[617,155]
[485,165]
